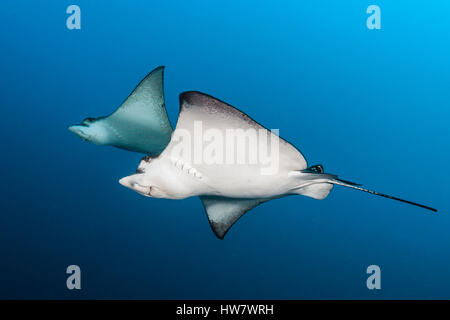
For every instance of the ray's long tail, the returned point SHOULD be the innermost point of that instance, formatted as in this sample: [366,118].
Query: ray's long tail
[357,187]
[333,179]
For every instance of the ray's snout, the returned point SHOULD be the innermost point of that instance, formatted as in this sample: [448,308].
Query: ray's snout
[79,130]
[133,182]
[126,182]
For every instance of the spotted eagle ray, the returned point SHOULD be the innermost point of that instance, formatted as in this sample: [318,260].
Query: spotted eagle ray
[140,124]
[228,190]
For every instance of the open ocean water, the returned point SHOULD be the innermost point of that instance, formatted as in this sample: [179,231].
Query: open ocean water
[370,105]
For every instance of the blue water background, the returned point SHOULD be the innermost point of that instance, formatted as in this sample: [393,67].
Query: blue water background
[370,105]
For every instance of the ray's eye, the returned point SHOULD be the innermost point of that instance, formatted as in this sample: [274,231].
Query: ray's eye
[139,170]
[316,169]
[147,159]
[88,120]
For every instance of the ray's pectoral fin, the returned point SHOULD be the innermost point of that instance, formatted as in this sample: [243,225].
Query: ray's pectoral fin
[224,212]
[140,124]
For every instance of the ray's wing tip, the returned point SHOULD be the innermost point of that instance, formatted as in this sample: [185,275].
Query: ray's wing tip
[218,232]
[156,70]
[219,236]
[185,95]
[162,67]
[198,98]
[190,97]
